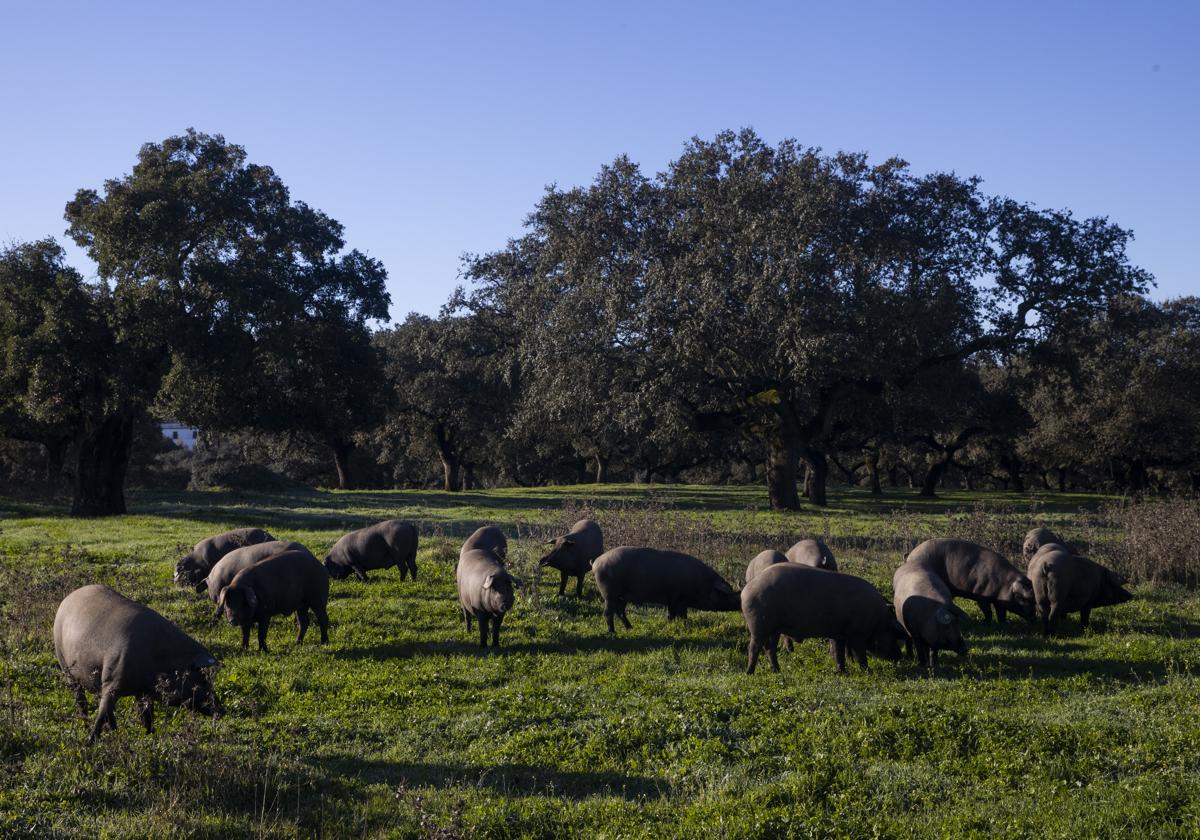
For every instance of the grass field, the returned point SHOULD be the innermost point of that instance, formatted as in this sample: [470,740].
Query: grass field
[401,726]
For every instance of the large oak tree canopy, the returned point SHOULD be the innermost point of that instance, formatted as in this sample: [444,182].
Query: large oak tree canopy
[216,276]
[763,287]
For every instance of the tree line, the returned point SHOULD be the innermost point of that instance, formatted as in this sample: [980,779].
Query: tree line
[755,312]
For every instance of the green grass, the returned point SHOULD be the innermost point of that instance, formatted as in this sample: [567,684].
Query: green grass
[401,726]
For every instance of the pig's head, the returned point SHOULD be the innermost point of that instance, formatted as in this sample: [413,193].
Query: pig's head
[885,640]
[498,592]
[1020,597]
[191,687]
[721,598]
[1112,590]
[947,635]
[563,548]
[338,571]
[188,571]
[238,604]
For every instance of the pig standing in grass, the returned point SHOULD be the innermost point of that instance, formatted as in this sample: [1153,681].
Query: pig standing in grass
[378,546]
[485,590]
[194,566]
[1039,537]
[763,560]
[972,571]
[114,647]
[926,608]
[803,603]
[572,554]
[679,581]
[1064,583]
[289,582]
[488,538]
[812,553]
[228,566]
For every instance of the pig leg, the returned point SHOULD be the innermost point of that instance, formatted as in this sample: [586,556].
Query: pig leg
[263,624]
[146,708]
[301,624]
[104,715]
[773,652]
[1001,614]
[322,622]
[80,700]
[562,583]
[467,616]
[908,648]
[860,656]
[412,567]
[245,637]
[933,654]
[360,574]
[986,609]
[923,654]
[1084,615]
[496,630]
[483,628]
[839,655]
[579,588]
[752,655]
[789,644]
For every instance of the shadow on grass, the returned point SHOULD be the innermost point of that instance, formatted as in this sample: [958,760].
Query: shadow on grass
[506,779]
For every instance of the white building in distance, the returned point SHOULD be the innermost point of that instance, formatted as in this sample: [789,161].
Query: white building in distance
[179,434]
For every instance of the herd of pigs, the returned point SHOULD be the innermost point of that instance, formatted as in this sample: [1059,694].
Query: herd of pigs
[111,646]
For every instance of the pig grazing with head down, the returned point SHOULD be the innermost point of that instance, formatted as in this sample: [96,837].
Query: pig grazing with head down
[114,647]
[378,546]
[628,575]
[1038,537]
[194,566]
[812,553]
[925,607]
[572,554]
[763,560]
[485,591]
[288,582]
[1064,583]
[488,538]
[228,566]
[972,571]
[802,602]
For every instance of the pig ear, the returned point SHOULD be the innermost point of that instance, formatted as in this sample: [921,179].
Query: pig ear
[956,611]
[487,581]
[568,541]
[221,598]
[899,630]
[1116,578]
[723,588]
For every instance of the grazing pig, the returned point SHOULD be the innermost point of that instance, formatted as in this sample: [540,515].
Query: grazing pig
[926,609]
[1039,537]
[763,560]
[972,571]
[1064,583]
[115,647]
[812,553]
[573,554]
[289,582]
[485,591]
[194,566]
[228,566]
[488,538]
[378,546]
[802,603]
[649,576]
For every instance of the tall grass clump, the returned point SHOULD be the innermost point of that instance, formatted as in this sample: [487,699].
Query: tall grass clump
[1150,540]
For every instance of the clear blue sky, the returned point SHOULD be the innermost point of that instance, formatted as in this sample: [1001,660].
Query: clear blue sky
[431,129]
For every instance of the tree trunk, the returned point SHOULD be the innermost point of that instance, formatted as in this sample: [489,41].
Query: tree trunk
[1138,478]
[341,462]
[468,476]
[103,460]
[781,473]
[818,474]
[894,475]
[933,476]
[451,463]
[601,468]
[1062,479]
[581,469]
[871,462]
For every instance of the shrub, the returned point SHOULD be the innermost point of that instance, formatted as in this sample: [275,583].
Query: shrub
[1152,540]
